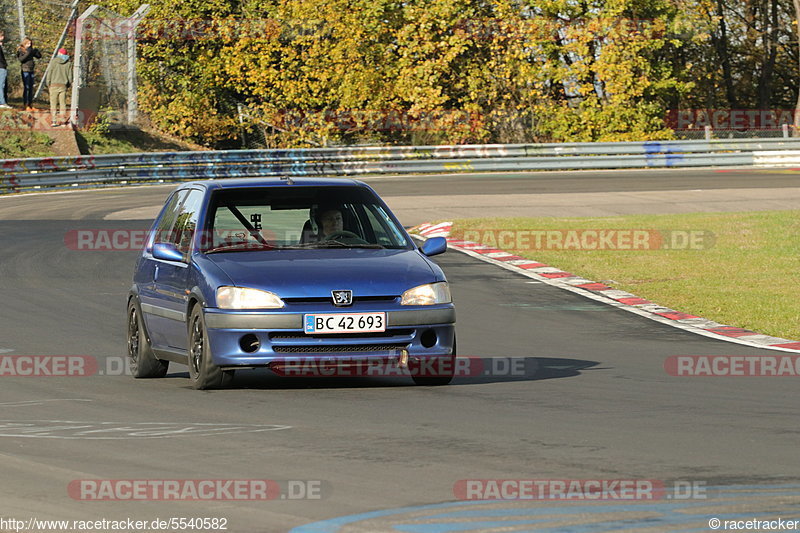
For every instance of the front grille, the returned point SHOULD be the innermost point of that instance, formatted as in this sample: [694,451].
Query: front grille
[354,336]
[341,348]
[328,299]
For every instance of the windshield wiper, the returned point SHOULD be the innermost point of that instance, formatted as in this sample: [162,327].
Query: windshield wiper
[329,244]
[241,247]
[339,244]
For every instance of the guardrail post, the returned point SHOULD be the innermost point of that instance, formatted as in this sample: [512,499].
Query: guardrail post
[133,99]
[785,128]
[708,132]
[77,65]
[243,128]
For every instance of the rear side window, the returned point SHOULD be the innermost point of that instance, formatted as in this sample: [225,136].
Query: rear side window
[186,221]
[178,220]
[167,218]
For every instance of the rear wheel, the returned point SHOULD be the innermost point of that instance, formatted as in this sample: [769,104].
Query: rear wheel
[203,373]
[444,371]
[141,359]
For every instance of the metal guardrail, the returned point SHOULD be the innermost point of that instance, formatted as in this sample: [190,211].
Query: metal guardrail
[27,174]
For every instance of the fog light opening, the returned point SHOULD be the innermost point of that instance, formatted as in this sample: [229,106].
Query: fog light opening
[428,338]
[249,343]
[403,362]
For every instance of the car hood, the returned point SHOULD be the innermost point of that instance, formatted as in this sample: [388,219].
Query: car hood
[315,273]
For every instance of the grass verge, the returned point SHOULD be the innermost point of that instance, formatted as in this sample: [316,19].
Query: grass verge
[128,141]
[741,269]
[19,144]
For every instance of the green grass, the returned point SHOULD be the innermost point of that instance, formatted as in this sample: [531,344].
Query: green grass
[749,277]
[23,144]
[96,143]
[125,141]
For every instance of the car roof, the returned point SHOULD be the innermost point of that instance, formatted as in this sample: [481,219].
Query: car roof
[233,183]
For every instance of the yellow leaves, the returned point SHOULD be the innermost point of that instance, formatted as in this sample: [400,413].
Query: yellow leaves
[523,76]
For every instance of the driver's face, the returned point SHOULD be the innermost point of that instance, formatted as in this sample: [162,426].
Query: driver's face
[331,222]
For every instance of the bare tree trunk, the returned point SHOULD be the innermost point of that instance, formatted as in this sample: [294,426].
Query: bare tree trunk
[721,44]
[797,106]
[766,78]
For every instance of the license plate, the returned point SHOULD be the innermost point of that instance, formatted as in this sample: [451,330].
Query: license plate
[345,323]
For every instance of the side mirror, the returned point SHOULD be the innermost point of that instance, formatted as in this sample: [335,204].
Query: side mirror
[166,251]
[434,246]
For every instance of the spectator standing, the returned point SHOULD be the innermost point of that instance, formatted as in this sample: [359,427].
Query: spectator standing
[59,77]
[3,75]
[27,55]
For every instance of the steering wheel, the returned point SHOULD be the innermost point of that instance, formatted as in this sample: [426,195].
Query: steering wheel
[344,234]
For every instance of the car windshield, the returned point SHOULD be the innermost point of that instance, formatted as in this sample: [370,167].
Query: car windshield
[297,217]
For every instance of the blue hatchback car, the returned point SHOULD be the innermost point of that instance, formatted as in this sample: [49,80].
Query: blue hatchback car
[304,276]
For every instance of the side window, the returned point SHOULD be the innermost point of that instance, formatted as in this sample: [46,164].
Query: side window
[167,217]
[381,236]
[381,225]
[186,221]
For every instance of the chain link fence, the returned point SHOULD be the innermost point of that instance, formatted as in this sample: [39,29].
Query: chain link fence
[103,56]
[104,88]
[44,21]
[10,26]
[730,133]
[345,127]
[260,132]
[711,124]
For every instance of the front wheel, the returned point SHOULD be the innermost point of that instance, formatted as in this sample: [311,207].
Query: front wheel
[445,370]
[203,373]
[141,359]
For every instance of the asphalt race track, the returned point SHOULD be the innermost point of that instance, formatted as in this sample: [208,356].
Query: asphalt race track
[592,401]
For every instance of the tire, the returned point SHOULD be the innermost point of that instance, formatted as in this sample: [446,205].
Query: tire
[141,359]
[203,373]
[437,381]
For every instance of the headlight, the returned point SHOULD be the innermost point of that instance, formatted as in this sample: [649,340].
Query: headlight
[241,298]
[434,293]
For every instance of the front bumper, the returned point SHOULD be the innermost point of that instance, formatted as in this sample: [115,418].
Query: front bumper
[279,337]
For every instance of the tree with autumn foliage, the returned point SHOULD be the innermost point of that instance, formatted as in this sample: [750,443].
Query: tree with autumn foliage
[315,72]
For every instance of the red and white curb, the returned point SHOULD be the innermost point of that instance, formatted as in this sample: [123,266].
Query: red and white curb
[603,293]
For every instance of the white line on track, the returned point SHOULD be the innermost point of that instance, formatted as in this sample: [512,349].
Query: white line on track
[631,309]
[26,403]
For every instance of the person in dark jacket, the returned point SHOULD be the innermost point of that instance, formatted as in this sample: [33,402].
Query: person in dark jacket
[3,75]
[59,77]
[27,54]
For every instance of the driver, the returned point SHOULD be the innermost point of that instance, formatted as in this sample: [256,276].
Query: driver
[330,221]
